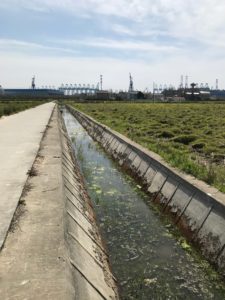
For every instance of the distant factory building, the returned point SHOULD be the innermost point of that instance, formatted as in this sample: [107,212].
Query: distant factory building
[135,95]
[33,92]
[102,95]
[1,90]
[217,94]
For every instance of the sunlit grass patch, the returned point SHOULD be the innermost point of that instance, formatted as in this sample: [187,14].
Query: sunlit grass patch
[189,136]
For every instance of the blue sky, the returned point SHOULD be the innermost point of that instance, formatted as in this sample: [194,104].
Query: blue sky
[74,41]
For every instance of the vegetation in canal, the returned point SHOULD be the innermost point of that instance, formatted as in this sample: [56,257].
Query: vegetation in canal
[189,136]
[148,256]
[8,107]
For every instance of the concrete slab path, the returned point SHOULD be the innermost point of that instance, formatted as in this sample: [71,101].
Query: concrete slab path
[34,261]
[20,137]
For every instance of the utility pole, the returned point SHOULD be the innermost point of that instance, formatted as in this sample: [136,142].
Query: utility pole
[186,82]
[153,91]
[181,82]
[33,83]
[131,85]
[101,81]
[217,84]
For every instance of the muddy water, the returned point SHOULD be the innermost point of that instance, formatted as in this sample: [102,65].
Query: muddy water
[148,257]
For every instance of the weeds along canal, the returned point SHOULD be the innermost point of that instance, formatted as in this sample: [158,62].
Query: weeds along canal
[148,257]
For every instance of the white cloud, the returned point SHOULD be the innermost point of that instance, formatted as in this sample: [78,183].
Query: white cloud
[69,47]
[195,26]
[15,46]
[203,19]
[121,45]
[137,31]
[53,70]
[121,29]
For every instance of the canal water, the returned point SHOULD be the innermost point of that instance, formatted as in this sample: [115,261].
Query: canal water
[148,257]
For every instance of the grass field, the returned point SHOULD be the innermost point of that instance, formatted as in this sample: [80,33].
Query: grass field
[10,107]
[188,136]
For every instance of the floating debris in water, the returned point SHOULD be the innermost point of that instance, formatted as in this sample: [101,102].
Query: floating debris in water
[149,281]
[168,234]
[185,245]
[111,192]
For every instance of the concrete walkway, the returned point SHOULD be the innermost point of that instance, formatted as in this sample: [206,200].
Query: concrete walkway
[53,250]
[20,137]
[34,262]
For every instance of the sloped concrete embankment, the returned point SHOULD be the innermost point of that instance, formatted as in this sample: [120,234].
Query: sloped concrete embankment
[53,249]
[197,209]
[90,269]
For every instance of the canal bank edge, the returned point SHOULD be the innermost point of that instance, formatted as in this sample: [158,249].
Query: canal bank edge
[197,209]
[53,249]
[90,269]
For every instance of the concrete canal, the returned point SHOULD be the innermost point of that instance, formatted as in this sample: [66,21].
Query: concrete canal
[148,256]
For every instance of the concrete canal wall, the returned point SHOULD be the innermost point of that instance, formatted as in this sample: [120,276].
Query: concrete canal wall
[197,209]
[53,249]
[90,269]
